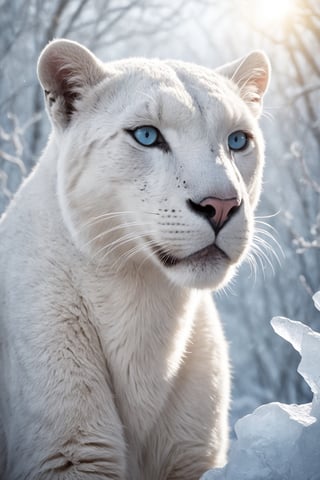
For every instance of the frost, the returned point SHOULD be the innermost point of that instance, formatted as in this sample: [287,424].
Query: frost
[278,441]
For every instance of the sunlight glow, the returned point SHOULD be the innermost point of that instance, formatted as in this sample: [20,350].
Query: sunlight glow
[270,12]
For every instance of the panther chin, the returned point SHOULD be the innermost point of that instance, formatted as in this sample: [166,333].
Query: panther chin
[208,268]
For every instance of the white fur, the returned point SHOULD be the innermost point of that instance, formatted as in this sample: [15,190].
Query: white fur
[113,364]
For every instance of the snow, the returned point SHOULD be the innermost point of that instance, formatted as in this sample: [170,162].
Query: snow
[279,441]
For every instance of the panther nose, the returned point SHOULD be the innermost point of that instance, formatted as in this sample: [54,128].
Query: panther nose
[217,210]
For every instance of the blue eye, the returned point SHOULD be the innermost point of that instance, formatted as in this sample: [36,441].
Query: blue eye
[147,136]
[238,141]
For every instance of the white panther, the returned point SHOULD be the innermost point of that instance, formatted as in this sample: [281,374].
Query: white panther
[113,360]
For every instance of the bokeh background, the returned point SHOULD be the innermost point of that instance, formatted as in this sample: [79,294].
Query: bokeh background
[286,270]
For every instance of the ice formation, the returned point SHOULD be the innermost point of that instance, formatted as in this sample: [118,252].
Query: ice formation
[278,441]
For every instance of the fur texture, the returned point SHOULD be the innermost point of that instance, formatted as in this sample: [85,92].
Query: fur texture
[113,360]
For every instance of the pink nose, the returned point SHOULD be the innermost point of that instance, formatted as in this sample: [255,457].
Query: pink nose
[219,210]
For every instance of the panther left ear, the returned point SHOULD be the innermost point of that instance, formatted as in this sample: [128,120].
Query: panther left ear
[65,69]
[252,76]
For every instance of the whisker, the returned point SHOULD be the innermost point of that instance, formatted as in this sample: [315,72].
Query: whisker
[267,115]
[264,247]
[130,253]
[262,256]
[105,216]
[272,215]
[268,235]
[139,248]
[260,249]
[265,226]
[262,241]
[108,251]
[114,229]
[150,254]
[111,215]
[118,243]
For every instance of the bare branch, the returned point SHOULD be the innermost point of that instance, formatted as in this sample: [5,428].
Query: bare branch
[3,184]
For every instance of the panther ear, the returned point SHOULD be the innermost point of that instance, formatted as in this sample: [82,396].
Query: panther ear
[65,70]
[252,75]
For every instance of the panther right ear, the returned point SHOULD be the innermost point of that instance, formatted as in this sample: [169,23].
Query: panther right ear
[252,76]
[65,70]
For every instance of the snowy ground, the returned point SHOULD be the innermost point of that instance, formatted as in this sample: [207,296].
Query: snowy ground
[279,441]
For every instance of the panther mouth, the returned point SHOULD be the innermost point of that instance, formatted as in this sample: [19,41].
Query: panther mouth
[209,253]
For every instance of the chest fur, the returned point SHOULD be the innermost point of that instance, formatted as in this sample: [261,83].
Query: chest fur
[144,330]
